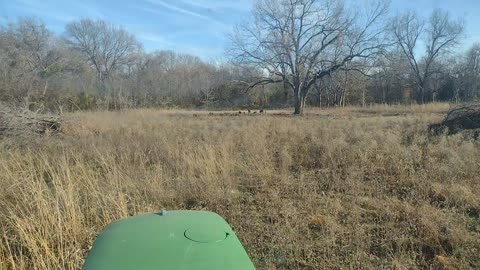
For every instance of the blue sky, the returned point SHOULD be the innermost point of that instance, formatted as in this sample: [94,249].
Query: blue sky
[197,27]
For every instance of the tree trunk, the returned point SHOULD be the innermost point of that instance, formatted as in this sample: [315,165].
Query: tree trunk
[421,99]
[363,98]
[345,89]
[299,100]
[285,92]
[45,88]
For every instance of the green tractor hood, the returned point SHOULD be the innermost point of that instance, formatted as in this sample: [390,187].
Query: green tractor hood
[174,240]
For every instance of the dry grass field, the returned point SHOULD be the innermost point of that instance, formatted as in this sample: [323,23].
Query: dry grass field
[348,188]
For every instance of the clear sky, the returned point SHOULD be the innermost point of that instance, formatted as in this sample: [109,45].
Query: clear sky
[197,27]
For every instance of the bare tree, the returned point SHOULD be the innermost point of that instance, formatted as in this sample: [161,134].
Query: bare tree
[299,42]
[472,72]
[105,46]
[31,50]
[439,34]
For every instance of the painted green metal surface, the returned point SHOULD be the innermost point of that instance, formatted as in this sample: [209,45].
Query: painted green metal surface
[175,240]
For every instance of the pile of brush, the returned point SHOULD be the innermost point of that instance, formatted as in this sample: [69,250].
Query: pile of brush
[20,121]
[466,117]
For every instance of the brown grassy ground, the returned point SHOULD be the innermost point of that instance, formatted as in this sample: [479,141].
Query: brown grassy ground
[337,189]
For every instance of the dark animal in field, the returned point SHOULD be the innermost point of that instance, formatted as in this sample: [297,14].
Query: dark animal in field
[261,111]
[249,111]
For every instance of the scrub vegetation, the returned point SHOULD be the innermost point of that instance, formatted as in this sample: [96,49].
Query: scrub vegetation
[347,188]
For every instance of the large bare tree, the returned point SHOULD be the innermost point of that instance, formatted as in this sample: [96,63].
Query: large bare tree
[438,34]
[299,42]
[106,47]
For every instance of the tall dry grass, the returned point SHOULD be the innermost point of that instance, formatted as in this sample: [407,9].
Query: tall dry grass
[335,189]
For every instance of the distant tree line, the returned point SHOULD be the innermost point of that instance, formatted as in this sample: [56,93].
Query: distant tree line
[293,53]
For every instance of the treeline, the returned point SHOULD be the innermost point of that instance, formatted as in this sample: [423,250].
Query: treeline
[94,64]
[98,65]
[455,78]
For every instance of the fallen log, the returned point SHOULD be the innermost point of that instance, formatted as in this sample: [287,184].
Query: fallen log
[466,117]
